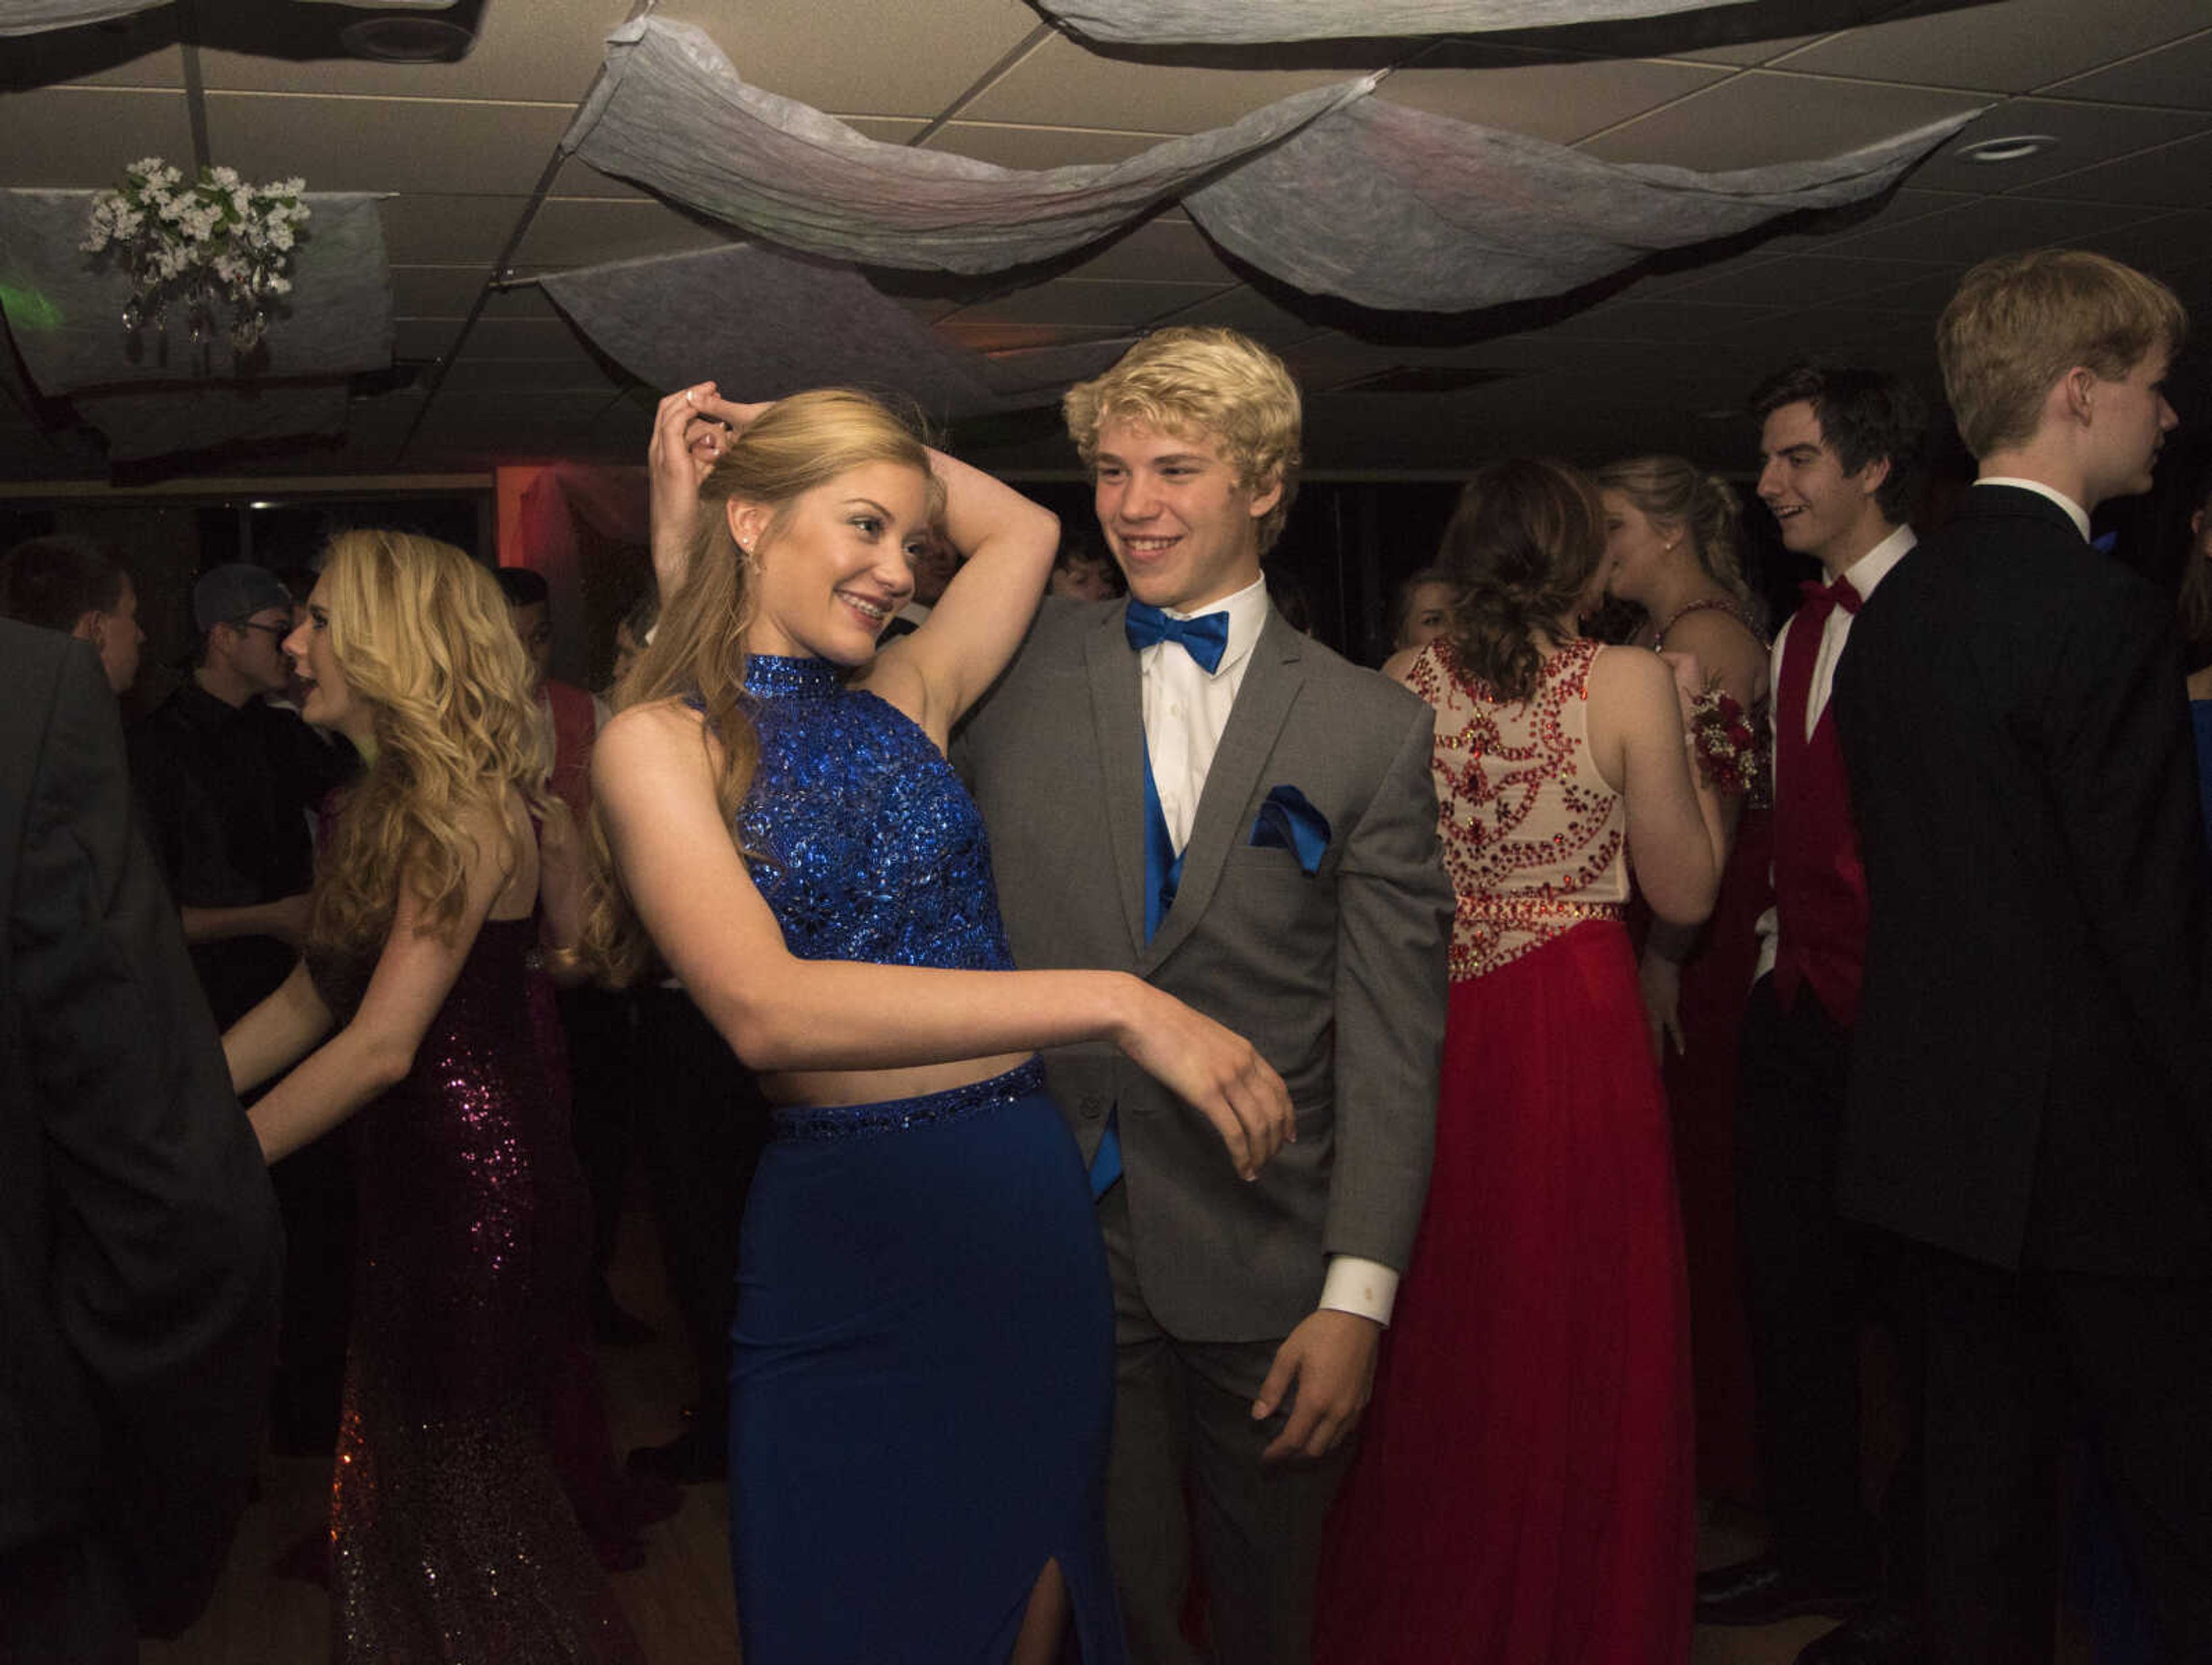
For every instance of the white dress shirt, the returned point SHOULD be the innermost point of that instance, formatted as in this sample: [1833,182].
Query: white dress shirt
[1863,574]
[1186,708]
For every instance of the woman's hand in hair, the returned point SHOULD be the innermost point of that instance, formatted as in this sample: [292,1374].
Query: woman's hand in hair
[691,429]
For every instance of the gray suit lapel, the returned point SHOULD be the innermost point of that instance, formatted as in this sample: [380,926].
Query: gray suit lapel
[1271,683]
[1117,710]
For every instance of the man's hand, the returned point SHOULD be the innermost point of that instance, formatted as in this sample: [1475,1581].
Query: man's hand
[1327,1364]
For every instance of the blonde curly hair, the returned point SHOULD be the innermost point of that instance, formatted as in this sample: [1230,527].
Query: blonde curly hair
[423,636]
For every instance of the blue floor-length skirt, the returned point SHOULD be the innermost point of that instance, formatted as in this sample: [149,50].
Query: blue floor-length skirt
[921,1382]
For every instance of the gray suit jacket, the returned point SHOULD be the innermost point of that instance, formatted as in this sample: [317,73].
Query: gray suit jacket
[1337,978]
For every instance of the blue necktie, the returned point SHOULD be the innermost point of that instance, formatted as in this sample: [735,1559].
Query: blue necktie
[1163,874]
[1205,638]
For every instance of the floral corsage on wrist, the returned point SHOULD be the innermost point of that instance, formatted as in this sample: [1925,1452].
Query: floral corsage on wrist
[1731,746]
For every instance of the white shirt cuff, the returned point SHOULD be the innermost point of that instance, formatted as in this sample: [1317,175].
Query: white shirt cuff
[1367,1288]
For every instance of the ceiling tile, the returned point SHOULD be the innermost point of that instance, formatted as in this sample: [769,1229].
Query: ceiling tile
[427,291]
[1805,280]
[68,138]
[1024,337]
[1656,321]
[1061,84]
[874,59]
[1686,273]
[384,144]
[1559,101]
[1749,53]
[143,53]
[2179,74]
[1007,145]
[566,375]
[1073,300]
[2086,134]
[1158,251]
[424,337]
[428,229]
[2178,176]
[1835,230]
[524,338]
[1246,309]
[2009,47]
[543,49]
[570,233]
[1994,225]
[1763,117]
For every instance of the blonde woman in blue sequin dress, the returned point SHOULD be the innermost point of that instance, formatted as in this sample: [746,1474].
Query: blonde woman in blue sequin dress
[922,1357]
[450,1538]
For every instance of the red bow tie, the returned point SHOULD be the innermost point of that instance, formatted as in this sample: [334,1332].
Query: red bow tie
[1821,599]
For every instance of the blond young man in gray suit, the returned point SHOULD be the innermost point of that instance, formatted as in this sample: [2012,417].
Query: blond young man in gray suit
[1256,834]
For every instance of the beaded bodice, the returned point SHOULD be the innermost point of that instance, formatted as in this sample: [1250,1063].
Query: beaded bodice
[861,837]
[1534,839]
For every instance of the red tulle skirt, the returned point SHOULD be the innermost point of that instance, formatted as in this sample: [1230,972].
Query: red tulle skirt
[1524,1492]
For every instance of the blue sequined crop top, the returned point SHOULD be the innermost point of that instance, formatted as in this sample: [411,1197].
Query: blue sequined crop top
[861,838]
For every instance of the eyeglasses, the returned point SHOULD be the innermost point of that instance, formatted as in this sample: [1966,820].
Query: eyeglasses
[279,631]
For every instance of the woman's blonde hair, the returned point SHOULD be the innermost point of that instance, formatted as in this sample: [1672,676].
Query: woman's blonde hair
[698,653]
[1674,491]
[423,636]
[1521,545]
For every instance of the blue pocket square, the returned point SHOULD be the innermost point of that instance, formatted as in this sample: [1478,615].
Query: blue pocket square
[1288,821]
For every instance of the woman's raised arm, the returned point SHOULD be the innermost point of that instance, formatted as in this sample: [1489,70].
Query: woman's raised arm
[974,630]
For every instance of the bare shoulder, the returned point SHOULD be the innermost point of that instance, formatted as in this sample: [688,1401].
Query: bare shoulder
[1711,633]
[647,737]
[1399,667]
[1625,679]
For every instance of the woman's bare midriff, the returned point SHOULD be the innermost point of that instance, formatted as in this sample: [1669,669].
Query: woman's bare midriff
[829,1088]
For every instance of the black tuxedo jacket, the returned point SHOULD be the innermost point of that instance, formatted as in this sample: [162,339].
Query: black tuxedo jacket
[139,1245]
[2031,1074]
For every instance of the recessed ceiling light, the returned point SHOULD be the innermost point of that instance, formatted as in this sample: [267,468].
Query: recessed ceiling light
[407,39]
[2017,147]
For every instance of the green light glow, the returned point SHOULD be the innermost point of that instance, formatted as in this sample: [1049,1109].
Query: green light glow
[29,309]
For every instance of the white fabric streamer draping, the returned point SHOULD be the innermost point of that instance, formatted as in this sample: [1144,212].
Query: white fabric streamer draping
[65,314]
[671,113]
[1225,22]
[33,16]
[763,323]
[1334,191]
[1394,208]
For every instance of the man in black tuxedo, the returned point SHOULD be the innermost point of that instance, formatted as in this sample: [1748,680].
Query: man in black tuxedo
[2031,1095]
[139,1247]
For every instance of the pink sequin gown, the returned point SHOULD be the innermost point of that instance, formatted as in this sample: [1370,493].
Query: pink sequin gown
[450,1538]
[1523,1491]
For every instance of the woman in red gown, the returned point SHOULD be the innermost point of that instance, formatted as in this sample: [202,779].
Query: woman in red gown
[1523,1493]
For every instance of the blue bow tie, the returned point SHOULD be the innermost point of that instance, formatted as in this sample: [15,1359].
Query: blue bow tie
[1205,638]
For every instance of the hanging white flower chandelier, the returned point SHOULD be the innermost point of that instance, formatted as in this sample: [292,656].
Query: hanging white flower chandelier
[209,247]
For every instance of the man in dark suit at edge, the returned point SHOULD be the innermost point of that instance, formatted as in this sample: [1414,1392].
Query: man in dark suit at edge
[1219,805]
[139,1246]
[2030,1103]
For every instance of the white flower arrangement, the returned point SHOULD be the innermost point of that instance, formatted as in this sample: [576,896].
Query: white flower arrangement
[214,240]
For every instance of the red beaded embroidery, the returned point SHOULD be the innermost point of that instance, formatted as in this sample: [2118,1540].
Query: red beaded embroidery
[1532,836]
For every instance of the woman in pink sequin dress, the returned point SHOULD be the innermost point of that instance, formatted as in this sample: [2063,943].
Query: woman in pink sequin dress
[411,1017]
[1523,1492]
